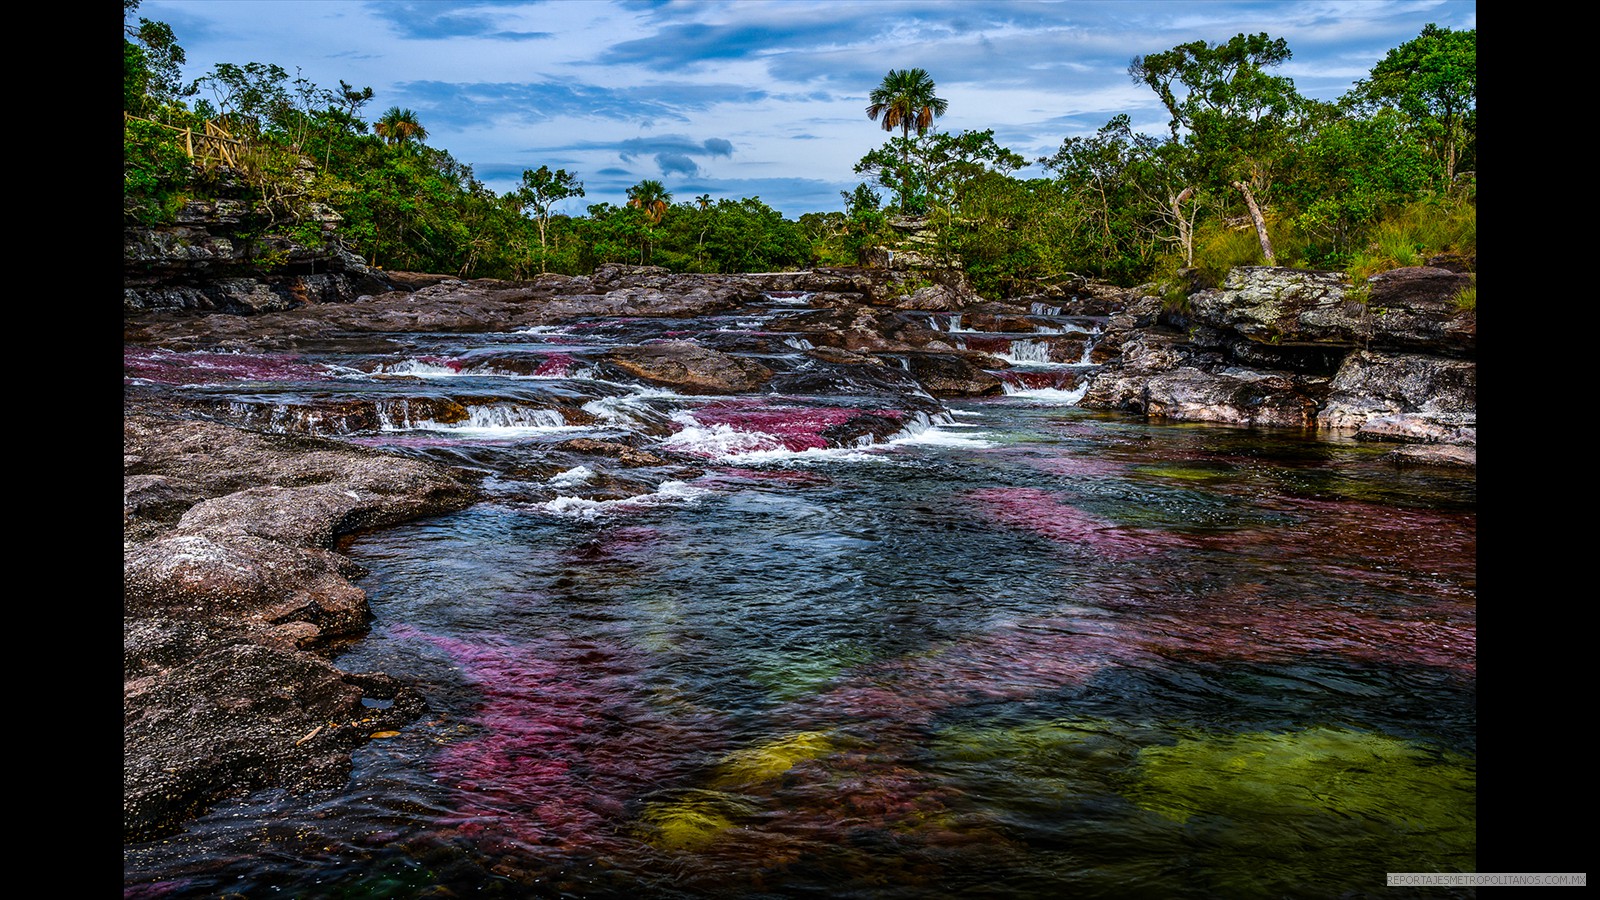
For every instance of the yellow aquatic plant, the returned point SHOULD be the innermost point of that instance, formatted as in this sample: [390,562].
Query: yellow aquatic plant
[770,760]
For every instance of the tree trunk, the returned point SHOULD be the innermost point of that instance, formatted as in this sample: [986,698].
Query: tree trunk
[1185,233]
[1261,223]
[542,252]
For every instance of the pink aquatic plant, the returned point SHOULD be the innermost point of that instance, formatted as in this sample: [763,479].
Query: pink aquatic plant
[1045,513]
[563,742]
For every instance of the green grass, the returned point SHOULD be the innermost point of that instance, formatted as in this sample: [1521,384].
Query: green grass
[1416,233]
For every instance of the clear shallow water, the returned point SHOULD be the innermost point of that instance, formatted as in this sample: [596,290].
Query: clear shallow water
[1011,649]
[1044,653]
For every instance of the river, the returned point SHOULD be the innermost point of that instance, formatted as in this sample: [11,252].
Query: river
[1013,649]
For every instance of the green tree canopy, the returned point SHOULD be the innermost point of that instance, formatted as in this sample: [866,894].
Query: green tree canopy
[542,189]
[1234,116]
[1432,78]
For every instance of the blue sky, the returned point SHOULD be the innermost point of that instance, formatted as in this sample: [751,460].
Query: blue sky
[762,97]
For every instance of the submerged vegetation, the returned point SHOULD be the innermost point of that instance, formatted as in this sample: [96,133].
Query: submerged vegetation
[1251,172]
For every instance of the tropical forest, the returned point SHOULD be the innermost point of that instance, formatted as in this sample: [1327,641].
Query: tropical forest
[1249,172]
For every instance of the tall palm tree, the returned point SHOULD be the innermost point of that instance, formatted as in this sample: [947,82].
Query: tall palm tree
[399,126]
[650,196]
[906,100]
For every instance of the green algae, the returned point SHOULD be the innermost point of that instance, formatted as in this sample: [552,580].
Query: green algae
[791,675]
[1040,767]
[1316,772]
[1184,473]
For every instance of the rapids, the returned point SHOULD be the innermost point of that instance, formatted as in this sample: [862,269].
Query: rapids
[860,643]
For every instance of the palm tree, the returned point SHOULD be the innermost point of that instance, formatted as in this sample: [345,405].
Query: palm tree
[906,100]
[399,126]
[652,198]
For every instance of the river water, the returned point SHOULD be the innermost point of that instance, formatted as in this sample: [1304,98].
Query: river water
[1015,649]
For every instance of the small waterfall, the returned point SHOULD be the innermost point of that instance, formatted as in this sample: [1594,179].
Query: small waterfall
[1056,387]
[503,415]
[798,343]
[1028,353]
[394,415]
[289,419]
[1088,346]
[632,411]
[1040,309]
[398,415]
[1068,328]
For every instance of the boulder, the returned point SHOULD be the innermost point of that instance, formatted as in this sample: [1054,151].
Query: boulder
[689,367]
[952,375]
[1430,390]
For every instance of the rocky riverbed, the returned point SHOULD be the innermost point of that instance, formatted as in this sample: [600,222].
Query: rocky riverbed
[248,457]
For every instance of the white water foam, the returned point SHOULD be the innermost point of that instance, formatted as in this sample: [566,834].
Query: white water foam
[493,420]
[936,436]
[1067,328]
[631,410]
[1050,396]
[572,477]
[731,446]
[1027,353]
[947,322]
[416,368]
[589,510]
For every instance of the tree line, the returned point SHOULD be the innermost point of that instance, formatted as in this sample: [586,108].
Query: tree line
[1250,171]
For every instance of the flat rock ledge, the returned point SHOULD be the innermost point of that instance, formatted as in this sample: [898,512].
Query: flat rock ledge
[231,583]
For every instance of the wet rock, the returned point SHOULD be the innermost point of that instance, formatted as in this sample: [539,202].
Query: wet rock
[690,367]
[850,377]
[863,429]
[1285,347]
[1411,428]
[228,571]
[1412,308]
[1274,305]
[937,298]
[1372,385]
[210,460]
[1415,308]
[952,375]
[1236,396]
[239,716]
[622,453]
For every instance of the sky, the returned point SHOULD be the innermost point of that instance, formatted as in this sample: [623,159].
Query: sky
[760,98]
